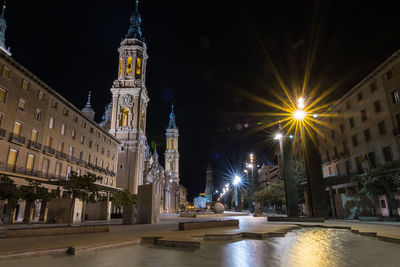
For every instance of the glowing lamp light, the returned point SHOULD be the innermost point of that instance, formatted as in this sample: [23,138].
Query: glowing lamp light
[278,136]
[216,191]
[291,136]
[237,180]
[315,116]
[250,165]
[300,103]
[170,180]
[299,115]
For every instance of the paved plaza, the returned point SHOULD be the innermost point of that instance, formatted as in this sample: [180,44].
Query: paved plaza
[167,229]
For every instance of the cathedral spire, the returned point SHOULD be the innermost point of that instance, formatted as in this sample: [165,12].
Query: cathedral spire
[3,27]
[88,110]
[134,30]
[172,124]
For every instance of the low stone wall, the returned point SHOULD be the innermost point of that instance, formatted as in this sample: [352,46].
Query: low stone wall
[207,224]
[45,231]
[295,219]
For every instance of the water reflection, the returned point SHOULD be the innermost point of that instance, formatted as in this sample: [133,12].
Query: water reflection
[303,247]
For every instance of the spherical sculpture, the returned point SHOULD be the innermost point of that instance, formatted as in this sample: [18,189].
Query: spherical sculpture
[219,208]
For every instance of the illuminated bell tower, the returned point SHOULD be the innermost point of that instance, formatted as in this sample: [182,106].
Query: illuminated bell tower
[129,106]
[171,152]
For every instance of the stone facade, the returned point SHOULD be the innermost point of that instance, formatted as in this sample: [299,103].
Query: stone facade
[267,174]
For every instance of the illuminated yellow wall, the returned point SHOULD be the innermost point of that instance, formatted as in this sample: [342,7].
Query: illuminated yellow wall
[120,66]
[138,66]
[125,114]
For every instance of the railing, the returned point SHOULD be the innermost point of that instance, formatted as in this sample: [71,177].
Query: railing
[49,150]
[61,155]
[3,133]
[72,159]
[16,138]
[90,165]
[335,157]
[30,172]
[82,162]
[34,145]
[344,154]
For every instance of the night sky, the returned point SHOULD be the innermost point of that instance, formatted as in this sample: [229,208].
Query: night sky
[204,56]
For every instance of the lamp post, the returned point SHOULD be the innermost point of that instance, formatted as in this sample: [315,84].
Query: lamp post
[312,160]
[236,182]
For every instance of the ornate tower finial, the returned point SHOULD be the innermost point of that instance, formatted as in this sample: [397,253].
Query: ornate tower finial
[134,30]
[172,124]
[89,104]
[3,27]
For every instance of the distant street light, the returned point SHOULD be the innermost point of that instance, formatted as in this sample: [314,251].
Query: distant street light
[236,182]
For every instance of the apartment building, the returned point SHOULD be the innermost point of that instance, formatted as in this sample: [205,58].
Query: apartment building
[267,174]
[44,137]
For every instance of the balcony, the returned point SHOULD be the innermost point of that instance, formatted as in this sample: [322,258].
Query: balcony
[72,159]
[90,165]
[18,139]
[3,133]
[335,157]
[61,155]
[345,154]
[34,145]
[49,151]
[82,162]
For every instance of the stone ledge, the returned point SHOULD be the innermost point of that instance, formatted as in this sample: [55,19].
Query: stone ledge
[207,224]
[177,243]
[295,219]
[45,231]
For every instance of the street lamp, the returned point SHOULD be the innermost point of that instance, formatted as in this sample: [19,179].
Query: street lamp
[236,182]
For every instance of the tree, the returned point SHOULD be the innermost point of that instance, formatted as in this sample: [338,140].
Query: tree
[122,198]
[29,194]
[273,194]
[9,192]
[382,180]
[81,187]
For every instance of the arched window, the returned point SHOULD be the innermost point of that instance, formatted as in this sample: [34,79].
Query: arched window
[125,114]
[172,144]
[120,66]
[167,144]
[129,65]
[175,143]
[171,165]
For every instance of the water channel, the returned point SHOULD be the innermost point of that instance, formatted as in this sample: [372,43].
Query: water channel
[304,247]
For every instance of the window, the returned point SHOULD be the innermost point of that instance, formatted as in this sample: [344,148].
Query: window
[21,105]
[124,121]
[91,129]
[78,172]
[12,157]
[71,151]
[58,169]
[41,95]
[51,123]
[338,169]
[341,128]
[332,133]
[389,75]
[377,105]
[25,85]
[17,128]
[38,115]
[355,140]
[63,129]
[329,171]
[97,134]
[363,115]
[61,147]
[327,155]
[398,119]
[108,153]
[1,119]
[348,167]
[97,147]
[358,160]
[372,86]
[395,96]
[6,72]
[75,119]
[371,159]
[348,105]
[383,204]
[82,139]
[344,144]
[3,95]
[381,127]
[83,124]
[49,141]
[367,134]
[360,97]
[65,112]
[73,134]
[351,121]
[54,104]
[29,162]
[90,144]
[69,170]
[102,150]
[35,135]
[129,65]
[387,153]
[80,155]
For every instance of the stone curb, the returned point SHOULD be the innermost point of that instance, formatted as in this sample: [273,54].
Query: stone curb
[56,251]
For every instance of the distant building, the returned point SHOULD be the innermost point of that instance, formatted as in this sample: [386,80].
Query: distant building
[267,174]
[209,184]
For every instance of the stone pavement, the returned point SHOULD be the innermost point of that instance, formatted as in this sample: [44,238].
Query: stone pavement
[167,229]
